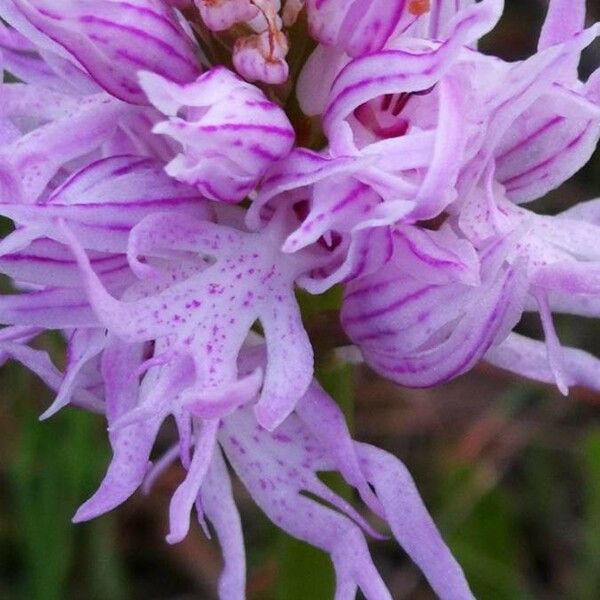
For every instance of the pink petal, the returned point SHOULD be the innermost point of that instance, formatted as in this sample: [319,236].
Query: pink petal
[529,358]
[564,19]
[131,443]
[115,40]
[185,495]
[211,312]
[119,362]
[275,468]
[553,347]
[327,424]
[404,71]
[105,199]
[84,345]
[38,362]
[411,524]
[229,134]
[219,506]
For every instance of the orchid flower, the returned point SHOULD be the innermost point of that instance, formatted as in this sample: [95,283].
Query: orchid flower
[222,111]
[536,140]
[167,211]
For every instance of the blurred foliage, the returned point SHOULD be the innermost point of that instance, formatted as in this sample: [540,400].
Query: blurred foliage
[50,469]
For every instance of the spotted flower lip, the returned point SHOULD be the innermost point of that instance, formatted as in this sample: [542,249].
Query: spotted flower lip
[166,214]
[276,467]
[212,312]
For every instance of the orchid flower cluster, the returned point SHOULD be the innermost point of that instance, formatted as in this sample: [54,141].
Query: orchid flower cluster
[176,170]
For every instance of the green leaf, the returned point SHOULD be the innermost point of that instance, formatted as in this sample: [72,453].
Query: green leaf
[588,572]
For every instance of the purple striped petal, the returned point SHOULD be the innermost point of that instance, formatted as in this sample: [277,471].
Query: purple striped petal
[369,249]
[441,347]
[221,15]
[38,62]
[52,309]
[298,170]
[28,164]
[48,263]
[337,204]
[344,194]
[116,39]
[436,256]
[360,27]
[544,148]
[404,71]
[103,201]
[451,139]
[398,313]
[515,93]
[229,134]
[438,19]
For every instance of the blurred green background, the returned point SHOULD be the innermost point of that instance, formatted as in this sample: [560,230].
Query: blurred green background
[509,469]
